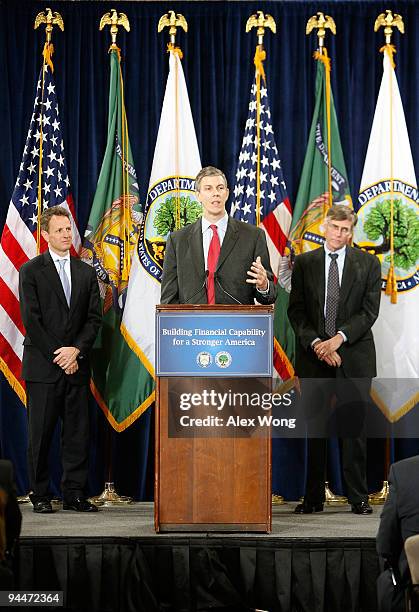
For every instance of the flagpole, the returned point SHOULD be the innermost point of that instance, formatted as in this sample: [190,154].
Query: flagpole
[261,22]
[50,20]
[113,20]
[126,212]
[320,22]
[388,21]
[173,21]
[109,496]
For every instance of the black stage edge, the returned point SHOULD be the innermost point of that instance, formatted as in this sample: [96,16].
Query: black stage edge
[203,573]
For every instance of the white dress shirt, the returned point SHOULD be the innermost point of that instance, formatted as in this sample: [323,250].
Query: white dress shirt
[207,234]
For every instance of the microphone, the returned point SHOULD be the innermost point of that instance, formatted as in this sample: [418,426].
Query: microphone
[204,284]
[226,292]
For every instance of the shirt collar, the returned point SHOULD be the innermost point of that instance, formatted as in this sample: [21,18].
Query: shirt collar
[339,252]
[56,257]
[221,223]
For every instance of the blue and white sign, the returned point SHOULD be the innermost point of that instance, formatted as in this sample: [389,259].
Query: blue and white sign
[214,344]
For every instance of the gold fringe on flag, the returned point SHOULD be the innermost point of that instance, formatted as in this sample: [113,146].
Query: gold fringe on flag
[47,54]
[13,381]
[177,50]
[390,50]
[129,419]
[260,57]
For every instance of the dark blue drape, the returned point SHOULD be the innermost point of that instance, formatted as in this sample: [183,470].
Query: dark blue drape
[218,67]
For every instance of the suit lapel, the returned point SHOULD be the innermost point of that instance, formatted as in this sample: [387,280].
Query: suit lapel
[51,273]
[318,280]
[75,282]
[229,241]
[196,247]
[348,276]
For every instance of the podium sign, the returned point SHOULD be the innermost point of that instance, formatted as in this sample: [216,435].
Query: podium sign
[211,483]
[210,343]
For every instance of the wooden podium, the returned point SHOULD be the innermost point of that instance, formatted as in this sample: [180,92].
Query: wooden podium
[210,483]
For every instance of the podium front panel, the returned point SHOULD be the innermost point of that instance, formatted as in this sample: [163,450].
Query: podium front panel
[213,482]
[213,343]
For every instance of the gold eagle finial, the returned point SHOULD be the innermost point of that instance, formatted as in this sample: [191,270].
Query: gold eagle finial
[114,20]
[261,21]
[321,22]
[173,22]
[389,21]
[51,19]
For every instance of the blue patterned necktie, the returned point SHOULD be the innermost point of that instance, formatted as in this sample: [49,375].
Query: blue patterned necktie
[332,300]
[64,280]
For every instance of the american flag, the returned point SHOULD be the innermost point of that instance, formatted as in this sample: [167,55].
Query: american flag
[19,237]
[275,208]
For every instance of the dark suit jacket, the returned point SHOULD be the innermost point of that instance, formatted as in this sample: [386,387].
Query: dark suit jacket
[399,520]
[51,324]
[184,279]
[359,303]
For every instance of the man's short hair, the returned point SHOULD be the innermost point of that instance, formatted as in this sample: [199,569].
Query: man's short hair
[208,171]
[52,211]
[341,212]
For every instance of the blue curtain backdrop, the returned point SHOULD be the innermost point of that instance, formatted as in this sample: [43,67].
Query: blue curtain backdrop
[218,65]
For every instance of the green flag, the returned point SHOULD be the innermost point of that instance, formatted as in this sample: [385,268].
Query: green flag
[324,179]
[121,385]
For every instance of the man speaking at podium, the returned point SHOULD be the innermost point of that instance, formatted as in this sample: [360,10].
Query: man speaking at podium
[217,259]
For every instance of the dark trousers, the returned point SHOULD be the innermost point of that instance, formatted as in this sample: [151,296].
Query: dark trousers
[345,419]
[47,403]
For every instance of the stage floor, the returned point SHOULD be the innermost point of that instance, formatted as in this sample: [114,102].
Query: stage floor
[137,520]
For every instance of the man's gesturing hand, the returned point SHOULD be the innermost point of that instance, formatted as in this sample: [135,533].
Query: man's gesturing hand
[258,275]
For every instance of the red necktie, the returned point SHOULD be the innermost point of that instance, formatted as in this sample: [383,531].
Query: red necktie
[213,254]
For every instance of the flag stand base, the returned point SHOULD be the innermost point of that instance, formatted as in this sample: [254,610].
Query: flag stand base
[330,499]
[379,497]
[23,499]
[277,500]
[109,497]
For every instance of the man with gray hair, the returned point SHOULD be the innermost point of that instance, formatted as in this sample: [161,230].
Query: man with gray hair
[334,301]
[217,259]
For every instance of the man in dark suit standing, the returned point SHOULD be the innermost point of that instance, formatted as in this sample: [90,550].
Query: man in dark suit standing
[217,259]
[60,307]
[399,521]
[334,301]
